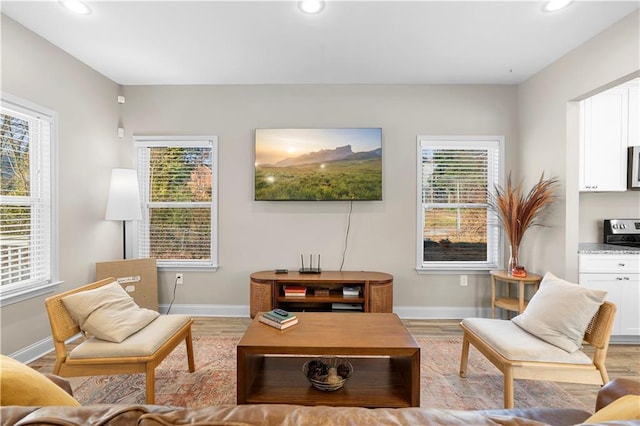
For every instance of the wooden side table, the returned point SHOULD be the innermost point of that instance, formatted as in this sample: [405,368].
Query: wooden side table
[516,304]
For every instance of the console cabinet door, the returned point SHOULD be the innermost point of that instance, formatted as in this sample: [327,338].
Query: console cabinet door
[381,298]
[261,295]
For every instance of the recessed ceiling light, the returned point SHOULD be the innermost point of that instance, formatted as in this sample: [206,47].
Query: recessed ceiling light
[311,6]
[554,5]
[76,6]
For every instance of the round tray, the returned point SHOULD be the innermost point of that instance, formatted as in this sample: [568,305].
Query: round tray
[329,362]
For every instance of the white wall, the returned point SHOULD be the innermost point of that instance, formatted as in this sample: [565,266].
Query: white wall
[549,142]
[266,235]
[85,101]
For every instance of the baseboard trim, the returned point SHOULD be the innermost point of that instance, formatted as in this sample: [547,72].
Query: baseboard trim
[625,340]
[207,310]
[441,312]
[34,351]
[39,349]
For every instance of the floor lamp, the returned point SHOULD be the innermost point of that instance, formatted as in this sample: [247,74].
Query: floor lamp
[124,200]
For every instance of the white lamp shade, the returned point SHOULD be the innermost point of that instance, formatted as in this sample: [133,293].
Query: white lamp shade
[124,197]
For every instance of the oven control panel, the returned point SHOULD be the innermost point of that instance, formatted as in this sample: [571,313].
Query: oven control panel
[622,226]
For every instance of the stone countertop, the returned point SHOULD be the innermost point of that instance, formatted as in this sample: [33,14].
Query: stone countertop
[600,248]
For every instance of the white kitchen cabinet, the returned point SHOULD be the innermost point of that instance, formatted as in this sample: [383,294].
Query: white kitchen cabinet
[604,141]
[619,276]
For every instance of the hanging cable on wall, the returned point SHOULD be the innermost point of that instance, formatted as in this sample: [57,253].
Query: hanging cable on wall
[346,235]
[175,286]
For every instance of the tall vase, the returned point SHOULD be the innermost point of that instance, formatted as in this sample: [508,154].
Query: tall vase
[513,258]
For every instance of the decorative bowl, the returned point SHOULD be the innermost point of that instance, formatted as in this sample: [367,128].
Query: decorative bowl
[328,373]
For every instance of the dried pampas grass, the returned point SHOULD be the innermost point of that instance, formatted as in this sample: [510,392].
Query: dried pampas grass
[517,211]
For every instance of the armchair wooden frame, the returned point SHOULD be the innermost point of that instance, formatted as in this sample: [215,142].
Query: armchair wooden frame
[63,327]
[597,335]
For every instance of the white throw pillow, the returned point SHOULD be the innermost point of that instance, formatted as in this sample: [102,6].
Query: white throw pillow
[560,311]
[108,312]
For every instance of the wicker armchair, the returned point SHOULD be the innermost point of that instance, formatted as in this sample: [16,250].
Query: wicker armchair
[544,361]
[141,352]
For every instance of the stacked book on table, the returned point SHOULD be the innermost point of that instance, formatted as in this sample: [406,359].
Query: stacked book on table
[277,320]
[295,291]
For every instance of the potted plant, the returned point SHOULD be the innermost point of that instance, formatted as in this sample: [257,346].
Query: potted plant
[518,212]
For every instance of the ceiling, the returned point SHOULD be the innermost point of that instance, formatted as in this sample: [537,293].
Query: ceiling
[272,42]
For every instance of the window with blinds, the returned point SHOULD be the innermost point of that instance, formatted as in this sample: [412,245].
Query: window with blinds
[457,229]
[178,179]
[26,226]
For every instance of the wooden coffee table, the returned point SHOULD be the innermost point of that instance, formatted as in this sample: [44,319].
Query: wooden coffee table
[385,359]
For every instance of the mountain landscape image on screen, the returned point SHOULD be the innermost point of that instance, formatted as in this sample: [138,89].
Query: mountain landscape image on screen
[318,164]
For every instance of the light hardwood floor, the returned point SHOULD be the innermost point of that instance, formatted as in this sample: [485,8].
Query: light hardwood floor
[622,360]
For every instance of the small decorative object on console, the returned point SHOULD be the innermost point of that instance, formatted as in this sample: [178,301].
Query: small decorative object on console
[519,272]
[322,292]
[327,374]
[350,291]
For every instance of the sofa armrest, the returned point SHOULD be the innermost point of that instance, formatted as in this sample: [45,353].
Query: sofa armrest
[60,381]
[615,389]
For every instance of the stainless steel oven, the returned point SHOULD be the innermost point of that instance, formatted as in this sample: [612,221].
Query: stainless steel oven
[634,168]
[622,232]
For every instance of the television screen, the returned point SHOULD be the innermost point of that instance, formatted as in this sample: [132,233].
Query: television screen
[318,164]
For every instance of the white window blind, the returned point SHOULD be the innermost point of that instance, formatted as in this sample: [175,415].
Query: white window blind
[26,225]
[457,230]
[178,179]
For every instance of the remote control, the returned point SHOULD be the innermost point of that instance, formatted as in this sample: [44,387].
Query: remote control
[281,312]
[282,271]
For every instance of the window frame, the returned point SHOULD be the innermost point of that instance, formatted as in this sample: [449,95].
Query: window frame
[209,141]
[20,291]
[495,240]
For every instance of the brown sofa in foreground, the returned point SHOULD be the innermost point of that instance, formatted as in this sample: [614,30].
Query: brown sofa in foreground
[276,414]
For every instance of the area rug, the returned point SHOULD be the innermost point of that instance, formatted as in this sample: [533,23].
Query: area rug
[214,381]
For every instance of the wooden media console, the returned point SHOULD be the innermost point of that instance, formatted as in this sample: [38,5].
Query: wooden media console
[267,291]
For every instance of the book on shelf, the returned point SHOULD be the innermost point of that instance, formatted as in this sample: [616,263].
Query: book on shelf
[274,324]
[295,290]
[350,291]
[281,319]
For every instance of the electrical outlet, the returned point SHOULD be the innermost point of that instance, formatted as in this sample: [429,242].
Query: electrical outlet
[464,280]
[179,279]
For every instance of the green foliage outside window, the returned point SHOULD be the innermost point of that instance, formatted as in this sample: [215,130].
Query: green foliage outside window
[454,199]
[180,194]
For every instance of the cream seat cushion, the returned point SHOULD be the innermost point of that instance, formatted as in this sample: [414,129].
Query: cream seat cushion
[560,312]
[516,344]
[108,312]
[143,343]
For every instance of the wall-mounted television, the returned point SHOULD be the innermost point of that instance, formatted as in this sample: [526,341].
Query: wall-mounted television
[318,164]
